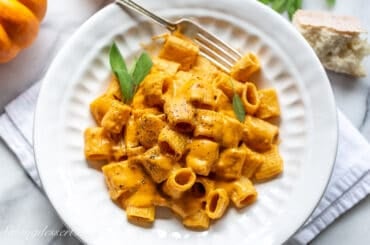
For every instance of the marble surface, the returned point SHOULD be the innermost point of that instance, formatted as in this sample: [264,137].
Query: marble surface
[26,216]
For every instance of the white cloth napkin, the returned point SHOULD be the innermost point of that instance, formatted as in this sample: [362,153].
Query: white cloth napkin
[350,181]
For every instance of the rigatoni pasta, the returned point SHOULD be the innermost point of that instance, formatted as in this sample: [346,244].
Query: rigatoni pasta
[271,167]
[98,144]
[178,142]
[242,192]
[116,117]
[172,143]
[203,153]
[156,164]
[245,67]
[140,215]
[180,114]
[149,127]
[198,221]
[259,134]
[230,164]
[250,98]
[122,177]
[182,51]
[99,107]
[153,88]
[179,181]
[269,104]
[202,95]
[217,203]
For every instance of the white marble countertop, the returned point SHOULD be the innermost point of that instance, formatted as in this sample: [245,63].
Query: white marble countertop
[25,214]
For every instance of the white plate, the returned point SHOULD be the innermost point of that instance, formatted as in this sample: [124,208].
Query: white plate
[80,73]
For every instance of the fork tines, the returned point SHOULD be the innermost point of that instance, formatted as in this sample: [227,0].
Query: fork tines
[217,51]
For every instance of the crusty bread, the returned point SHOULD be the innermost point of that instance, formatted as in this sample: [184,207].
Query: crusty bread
[335,39]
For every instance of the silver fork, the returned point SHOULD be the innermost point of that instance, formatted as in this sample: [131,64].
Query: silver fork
[211,47]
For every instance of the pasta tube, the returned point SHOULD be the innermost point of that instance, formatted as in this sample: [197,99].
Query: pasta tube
[258,134]
[157,165]
[140,215]
[172,143]
[224,104]
[253,161]
[122,178]
[250,98]
[116,117]
[148,128]
[98,144]
[243,192]
[179,181]
[193,200]
[201,94]
[217,203]
[230,164]
[180,114]
[203,153]
[209,124]
[231,133]
[227,84]
[144,195]
[245,67]
[198,221]
[153,87]
[179,50]
[269,106]
[187,205]
[271,167]
[202,187]
[99,107]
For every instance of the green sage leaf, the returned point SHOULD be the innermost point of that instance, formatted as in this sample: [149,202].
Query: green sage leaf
[129,80]
[142,68]
[265,1]
[116,60]
[238,108]
[330,3]
[292,8]
[279,5]
[126,85]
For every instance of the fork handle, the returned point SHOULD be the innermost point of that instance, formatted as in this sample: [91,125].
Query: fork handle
[162,21]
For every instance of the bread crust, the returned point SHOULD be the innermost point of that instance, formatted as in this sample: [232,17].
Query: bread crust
[338,23]
[335,39]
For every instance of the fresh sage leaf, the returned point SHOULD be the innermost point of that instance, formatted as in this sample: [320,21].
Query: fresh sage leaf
[298,4]
[142,68]
[129,80]
[265,1]
[279,5]
[116,60]
[126,85]
[292,7]
[132,68]
[238,108]
[330,3]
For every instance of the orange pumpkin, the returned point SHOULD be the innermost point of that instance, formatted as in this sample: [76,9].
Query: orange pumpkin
[19,25]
